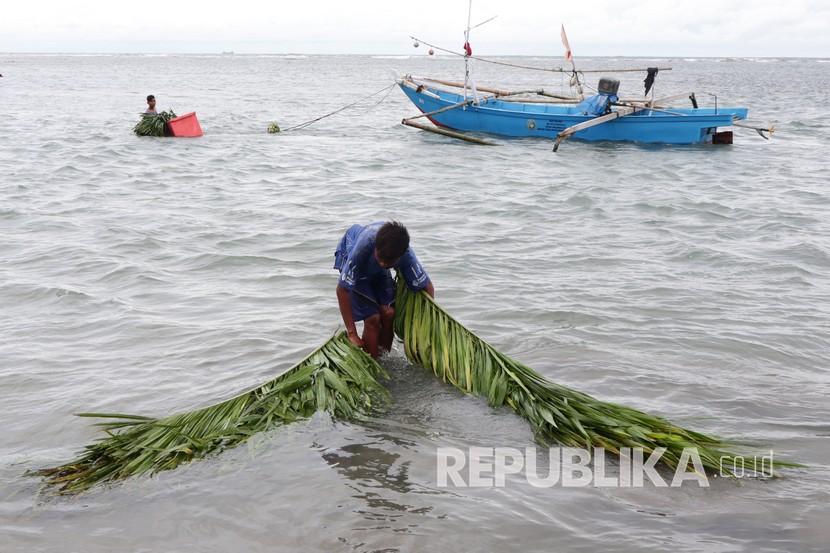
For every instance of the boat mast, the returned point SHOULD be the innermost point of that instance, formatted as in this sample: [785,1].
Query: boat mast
[570,57]
[467,49]
[576,77]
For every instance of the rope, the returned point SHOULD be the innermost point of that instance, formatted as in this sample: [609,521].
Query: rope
[387,89]
[533,67]
[485,60]
[385,96]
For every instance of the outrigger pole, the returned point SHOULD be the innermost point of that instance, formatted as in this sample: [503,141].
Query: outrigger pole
[447,132]
[757,128]
[567,133]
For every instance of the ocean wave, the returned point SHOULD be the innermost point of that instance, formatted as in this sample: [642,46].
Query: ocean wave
[38,292]
[211,261]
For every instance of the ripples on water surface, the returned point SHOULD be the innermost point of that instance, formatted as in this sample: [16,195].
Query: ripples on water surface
[151,275]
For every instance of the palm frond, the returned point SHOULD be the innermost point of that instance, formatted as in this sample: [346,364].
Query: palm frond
[337,378]
[557,414]
[153,124]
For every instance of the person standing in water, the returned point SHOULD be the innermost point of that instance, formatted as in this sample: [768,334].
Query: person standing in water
[366,290]
[151,106]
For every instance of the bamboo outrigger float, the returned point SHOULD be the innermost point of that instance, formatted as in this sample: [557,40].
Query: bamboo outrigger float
[456,108]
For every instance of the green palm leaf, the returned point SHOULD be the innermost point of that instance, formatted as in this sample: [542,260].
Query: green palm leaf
[557,414]
[153,124]
[337,378]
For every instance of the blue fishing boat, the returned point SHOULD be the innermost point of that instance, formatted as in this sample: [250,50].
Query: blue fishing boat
[456,108]
[601,117]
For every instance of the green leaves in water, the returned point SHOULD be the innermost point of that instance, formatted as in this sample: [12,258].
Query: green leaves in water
[337,378]
[154,125]
[556,413]
[342,380]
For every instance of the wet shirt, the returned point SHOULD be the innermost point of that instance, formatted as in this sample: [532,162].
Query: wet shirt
[360,271]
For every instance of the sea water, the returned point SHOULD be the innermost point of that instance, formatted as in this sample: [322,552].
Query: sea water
[151,276]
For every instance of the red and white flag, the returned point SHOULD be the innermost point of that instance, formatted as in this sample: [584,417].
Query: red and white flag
[568,54]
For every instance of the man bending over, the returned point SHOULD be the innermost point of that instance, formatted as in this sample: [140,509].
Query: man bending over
[366,290]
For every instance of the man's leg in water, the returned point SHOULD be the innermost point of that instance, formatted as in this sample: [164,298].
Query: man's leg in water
[371,334]
[387,319]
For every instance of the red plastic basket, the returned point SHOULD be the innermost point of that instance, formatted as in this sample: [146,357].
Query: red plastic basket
[186,125]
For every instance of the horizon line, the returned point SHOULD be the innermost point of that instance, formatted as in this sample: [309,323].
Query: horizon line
[443,56]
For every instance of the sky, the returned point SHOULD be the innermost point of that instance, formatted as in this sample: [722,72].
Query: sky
[522,27]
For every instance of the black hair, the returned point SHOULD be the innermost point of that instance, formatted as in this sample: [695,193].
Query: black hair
[150,97]
[392,241]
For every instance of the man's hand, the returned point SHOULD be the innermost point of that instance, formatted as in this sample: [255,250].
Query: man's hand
[386,312]
[354,338]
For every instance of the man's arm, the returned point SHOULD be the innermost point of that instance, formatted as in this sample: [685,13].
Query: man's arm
[430,289]
[413,273]
[344,300]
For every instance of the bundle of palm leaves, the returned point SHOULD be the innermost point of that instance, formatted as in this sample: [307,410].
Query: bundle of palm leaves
[557,414]
[337,378]
[154,124]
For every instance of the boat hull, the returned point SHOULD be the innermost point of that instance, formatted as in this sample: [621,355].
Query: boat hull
[516,119]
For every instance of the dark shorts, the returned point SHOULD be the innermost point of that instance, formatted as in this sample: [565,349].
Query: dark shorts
[366,303]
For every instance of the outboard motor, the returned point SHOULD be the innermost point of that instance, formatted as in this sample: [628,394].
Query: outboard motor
[608,86]
[600,104]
